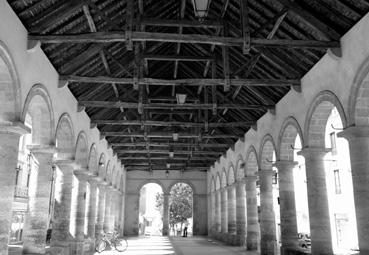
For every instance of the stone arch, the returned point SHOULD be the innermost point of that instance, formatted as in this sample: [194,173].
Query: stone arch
[252,164]
[82,150]
[231,174]
[101,167]
[217,182]
[64,137]
[143,183]
[38,108]
[182,181]
[92,160]
[212,184]
[358,110]
[224,179]
[108,173]
[10,96]
[267,149]
[240,168]
[317,117]
[287,136]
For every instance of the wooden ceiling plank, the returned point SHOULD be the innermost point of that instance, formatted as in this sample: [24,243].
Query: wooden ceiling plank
[325,31]
[245,26]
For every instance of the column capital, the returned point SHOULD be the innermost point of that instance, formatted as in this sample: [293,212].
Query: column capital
[16,128]
[310,151]
[285,164]
[251,178]
[65,162]
[81,175]
[354,132]
[240,181]
[266,172]
[42,149]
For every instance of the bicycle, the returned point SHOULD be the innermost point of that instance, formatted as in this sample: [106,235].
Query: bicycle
[120,244]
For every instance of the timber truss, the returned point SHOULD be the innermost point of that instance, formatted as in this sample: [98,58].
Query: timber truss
[126,60]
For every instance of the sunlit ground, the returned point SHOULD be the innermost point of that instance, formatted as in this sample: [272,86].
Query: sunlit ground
[153,245]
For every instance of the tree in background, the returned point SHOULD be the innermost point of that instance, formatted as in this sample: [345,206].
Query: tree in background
[180,204]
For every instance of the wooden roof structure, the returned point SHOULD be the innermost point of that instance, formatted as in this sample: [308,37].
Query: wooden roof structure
[126,60]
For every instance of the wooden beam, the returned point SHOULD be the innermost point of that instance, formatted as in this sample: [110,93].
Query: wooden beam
[148,169]
[177,58]
[245,27]
[169,135]
[176,152]
[129,24]
[187,82]
[172,123]
[110,37]
[214,88]
[171,144]
[181,23]
[187,106]
[157,158]
[178,50]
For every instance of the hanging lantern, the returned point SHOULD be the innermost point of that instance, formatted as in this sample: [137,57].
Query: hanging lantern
[201,8]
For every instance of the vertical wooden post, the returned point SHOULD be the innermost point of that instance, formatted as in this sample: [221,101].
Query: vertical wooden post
[225,54]
[129,26]
[245,26]
[214,88]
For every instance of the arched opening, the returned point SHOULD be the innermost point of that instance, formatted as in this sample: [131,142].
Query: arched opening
[151,210]
[270,221]
[181,209]
[339,187]
[327,118]
[301,197]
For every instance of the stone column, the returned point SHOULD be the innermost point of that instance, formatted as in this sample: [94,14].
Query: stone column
[122,212]
[358,139]
[37,219]
[60,235]
[267,216]
[199,214]
[99,228]
[231,192]
[321,240]
[241,212]
[253,229]
[9,145]
[113,207]
[78,210]
[287,205]
[224,211]
[131,213]
[92,210]
[217,211]
[213,209]
[166,215]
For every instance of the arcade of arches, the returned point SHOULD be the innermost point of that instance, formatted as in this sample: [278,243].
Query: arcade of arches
[302,169]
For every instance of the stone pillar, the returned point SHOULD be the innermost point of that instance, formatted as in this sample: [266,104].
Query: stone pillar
[287,205]
[9,145]
[231,192]
[37,219]
[107,217]
[78,210]
[213,209]
[224,211]
[358,139]
[122,212]
[131,214]
[267,216]
[166,215]
[253,229]
[60,235]
[241,212]
[92,210]
[217,212]
[199,214]
[321,240]
[99,228]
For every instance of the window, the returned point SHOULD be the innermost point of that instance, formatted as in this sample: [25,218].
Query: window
[337,181]
[333,143]
[16,228]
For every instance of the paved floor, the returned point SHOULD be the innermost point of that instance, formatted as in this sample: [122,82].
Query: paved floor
[178,246]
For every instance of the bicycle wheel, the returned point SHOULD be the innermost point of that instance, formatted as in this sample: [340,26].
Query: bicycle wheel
[121,245]
[100,246]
